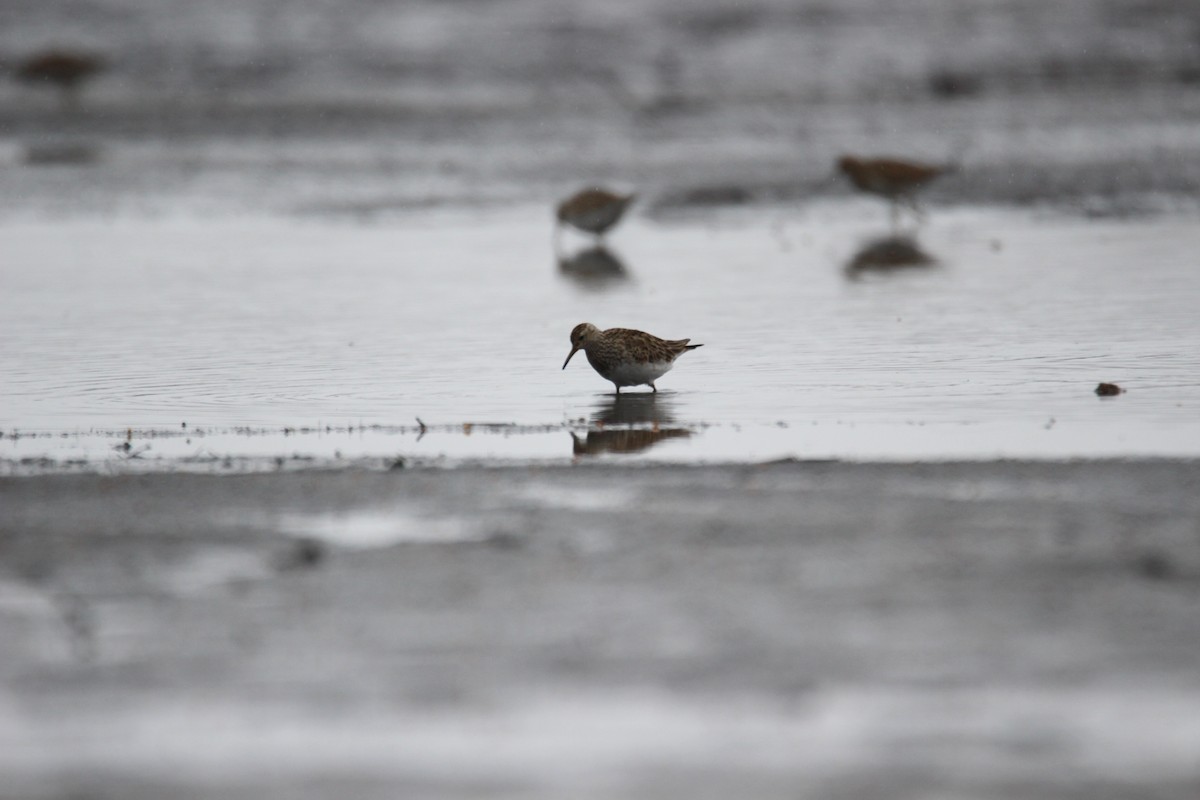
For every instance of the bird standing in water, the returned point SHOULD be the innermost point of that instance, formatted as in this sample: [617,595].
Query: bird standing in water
[627,357]
[592,211]
[63,69]
[892,179]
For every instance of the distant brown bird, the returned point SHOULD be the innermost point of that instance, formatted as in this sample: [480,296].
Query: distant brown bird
[593,210]
[65,70]
[894,180]
[627,357]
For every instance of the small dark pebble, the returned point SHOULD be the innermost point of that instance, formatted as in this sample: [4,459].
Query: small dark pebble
[1155,566]
[504,540]
[305,554]
[397,464]
[1188,74]
[1108,390]
[949,84]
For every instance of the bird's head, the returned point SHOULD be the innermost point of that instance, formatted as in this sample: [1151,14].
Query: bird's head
[580,335]
[849,165]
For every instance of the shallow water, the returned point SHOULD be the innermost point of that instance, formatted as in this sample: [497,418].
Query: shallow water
[300,238]
[992,347]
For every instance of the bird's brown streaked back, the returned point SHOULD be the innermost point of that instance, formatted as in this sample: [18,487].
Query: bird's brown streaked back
[625,356]
[590,201]
[888,175]
[645,348]
[59,67]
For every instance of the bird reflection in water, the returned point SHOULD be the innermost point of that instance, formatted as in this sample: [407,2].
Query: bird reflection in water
[888,255]
[592,268]
[654,410]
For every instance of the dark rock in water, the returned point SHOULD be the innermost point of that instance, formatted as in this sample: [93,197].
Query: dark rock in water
[505,540]
[1188,74]
[1108,390]
[947,84]
[63,154]
[1155,566]
[305,554]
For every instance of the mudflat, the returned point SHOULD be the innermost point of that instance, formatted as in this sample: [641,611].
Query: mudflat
[978,630]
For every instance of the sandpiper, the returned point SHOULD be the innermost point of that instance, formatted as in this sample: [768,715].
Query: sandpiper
[64,69]
[627,357]
[896,181]
[593,211]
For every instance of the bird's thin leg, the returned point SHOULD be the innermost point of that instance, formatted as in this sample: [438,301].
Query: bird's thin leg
[653,388]
[618,387]
[916,209]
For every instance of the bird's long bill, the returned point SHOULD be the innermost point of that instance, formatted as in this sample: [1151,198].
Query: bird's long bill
[574,350]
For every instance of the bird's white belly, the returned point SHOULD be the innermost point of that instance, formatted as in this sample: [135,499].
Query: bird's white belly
[630,374]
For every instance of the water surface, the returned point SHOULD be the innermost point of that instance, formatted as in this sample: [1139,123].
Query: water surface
[991,345]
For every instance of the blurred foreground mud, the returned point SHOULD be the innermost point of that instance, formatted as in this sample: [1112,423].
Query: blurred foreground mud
[983,630]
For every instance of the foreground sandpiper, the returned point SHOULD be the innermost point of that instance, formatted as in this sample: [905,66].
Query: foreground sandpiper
[894,180]
[627,357]
[593,211]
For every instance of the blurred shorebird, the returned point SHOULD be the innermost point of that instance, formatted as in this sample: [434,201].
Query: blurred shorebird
[592,211]
[892,179]
[65,70]
[627,357]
